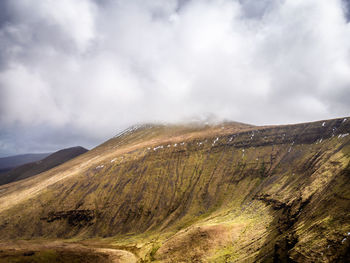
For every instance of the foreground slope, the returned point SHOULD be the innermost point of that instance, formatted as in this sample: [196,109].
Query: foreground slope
[33,168]
[198,193]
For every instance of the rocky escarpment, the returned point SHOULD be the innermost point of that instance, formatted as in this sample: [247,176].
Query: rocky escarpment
[73,217]
[286,238]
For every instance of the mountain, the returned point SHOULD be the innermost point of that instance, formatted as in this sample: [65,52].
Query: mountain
[228,192]
[33,168]
[8,163]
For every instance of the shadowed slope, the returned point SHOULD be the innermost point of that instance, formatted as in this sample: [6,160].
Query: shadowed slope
[8,163]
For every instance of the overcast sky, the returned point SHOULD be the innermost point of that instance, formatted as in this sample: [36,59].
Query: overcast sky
[75,72]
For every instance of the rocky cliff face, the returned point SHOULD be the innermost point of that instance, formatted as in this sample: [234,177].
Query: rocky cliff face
[223,193]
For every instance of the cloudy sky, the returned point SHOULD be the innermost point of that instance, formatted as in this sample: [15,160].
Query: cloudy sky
[75,72]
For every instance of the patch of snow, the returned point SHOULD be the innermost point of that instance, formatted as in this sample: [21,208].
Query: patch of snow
[333,130]
[343,240]
[175,144]
[168,145]
[128,131]
[100,166]
[323,124]
[182,143]
[344,120]
[158,147]
[290,149]
[113,160]
[230,140]
[343,135]
[215,141]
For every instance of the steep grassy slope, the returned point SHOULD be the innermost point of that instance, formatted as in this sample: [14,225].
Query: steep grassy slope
[33,168]
[10,162]
[199,193]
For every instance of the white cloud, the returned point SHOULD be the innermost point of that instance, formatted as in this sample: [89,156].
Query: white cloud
[27,99]
[98,66]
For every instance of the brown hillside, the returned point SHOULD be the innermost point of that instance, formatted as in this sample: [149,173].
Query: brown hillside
[197,193]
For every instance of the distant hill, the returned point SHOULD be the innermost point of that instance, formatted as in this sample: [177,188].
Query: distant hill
[36,167]
[10,162]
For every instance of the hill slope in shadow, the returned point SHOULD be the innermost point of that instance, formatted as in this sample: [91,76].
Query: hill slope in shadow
[33,168]
[10,162]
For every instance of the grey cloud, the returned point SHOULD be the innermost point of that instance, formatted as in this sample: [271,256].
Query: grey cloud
[346,7]
[257,9]
[93,67]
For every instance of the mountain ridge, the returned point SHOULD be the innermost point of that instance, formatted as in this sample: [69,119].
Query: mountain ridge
[210,193]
